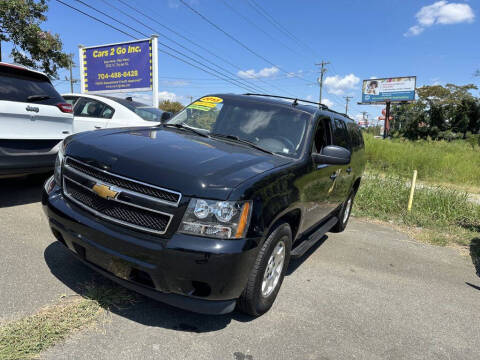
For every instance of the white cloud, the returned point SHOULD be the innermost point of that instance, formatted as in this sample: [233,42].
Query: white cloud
[441,13]
[166,95]
[338,85]
[263,73]
[328,102]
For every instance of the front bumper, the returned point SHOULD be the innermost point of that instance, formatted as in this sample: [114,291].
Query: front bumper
[194,273]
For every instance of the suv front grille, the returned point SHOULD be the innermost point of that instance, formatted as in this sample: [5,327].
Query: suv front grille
[115,211]
[168,196]
[88,187]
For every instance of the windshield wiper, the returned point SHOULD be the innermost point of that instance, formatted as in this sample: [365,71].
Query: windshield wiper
[242,141]
[38,97]
[181,126]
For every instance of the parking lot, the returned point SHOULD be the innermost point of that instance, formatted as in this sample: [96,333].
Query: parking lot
[368,293]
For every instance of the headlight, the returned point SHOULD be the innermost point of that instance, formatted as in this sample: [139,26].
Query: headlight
[58,164]
[216,219]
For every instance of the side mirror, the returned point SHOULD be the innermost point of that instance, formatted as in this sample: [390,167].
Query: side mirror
[333,155]
[165,116]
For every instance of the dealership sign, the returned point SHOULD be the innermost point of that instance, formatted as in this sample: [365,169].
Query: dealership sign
[120,67]
[389,89]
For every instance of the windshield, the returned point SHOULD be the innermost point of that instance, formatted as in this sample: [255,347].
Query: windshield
[274,128]
[149,113]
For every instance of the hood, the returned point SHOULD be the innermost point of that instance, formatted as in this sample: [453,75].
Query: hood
[173,158]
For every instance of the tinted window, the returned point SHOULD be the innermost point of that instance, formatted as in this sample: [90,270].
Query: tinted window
[18,85]
[355,135]
[340,134]
[273,127]
[322,135]
[92,108]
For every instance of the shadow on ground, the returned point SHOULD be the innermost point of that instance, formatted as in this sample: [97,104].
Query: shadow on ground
[74,274]
[475,253]
[294,264]
[23,190]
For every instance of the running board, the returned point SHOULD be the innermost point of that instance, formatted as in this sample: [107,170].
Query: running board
[313,238]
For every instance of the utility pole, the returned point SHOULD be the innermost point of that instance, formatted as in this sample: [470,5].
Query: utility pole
[71,79]
[323,70]
[347,100]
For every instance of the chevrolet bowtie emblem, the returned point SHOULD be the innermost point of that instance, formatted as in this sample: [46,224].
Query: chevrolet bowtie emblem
[104,191]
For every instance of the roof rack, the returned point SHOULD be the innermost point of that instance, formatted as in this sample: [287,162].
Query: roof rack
[295,100]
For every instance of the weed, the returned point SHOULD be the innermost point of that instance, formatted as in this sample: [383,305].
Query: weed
[27,337]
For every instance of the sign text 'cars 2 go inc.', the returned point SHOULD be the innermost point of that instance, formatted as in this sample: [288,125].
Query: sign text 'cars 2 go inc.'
[117,67]
[392,89]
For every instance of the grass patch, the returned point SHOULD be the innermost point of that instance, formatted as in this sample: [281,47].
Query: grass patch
[445,162]
[439,215]
[27,337]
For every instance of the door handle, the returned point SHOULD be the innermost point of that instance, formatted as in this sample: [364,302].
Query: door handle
[97,127]
[333,176]
[349,170]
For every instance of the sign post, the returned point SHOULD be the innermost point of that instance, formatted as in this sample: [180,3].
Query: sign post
[120,67]
[154,67]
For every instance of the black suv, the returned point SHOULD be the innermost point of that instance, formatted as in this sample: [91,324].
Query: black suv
[205,211]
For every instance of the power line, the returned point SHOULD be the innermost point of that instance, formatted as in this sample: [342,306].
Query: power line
[176,42]
[94,18]
[238,41]
[255,25]
[182,36]
[162,44]
[242,85]
[279,26]
[133,37]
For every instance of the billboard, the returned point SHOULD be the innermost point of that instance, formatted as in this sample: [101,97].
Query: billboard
[393,89]
[118,67]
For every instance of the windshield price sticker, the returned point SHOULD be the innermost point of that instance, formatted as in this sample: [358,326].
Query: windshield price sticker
[201,103]
[197,107]
[211,99]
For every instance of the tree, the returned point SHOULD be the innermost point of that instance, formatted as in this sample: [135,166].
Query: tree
[33,47]
[441,112]
[171,106]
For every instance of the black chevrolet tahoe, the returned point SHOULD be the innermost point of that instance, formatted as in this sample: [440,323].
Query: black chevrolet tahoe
[205,211]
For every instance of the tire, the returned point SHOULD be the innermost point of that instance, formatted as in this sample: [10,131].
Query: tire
[256,298]
[344,214]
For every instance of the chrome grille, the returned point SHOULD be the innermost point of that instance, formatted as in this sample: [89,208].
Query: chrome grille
[168,196]
[125,207]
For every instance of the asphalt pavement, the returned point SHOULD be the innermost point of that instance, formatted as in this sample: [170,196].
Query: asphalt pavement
[368,293]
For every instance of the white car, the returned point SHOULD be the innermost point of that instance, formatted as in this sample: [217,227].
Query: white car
[93,112]
[34,118]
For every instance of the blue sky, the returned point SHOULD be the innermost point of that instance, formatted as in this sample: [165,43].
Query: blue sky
[435,40]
